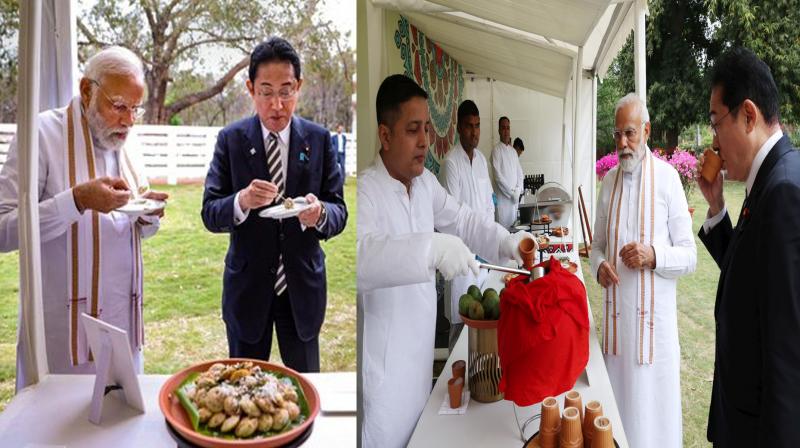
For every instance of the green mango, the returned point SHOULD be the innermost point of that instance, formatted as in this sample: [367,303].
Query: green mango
[475,292]
[490,293]
[476,310]
[463,304]
[491,306]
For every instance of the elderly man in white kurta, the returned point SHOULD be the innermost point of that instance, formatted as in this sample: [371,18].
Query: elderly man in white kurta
[91,254]
[401,203]
[465,175]
[508,175]
[643,242]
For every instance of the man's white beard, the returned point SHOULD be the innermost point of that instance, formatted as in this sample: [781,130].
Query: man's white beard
[629,164]
[102,133]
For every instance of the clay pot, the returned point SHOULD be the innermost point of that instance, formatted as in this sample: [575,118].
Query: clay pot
[712,163]
[459,369]
[550,423]
[593,410]
[573,399]
[527,251]
[454,388]
[602,437]
[571,434]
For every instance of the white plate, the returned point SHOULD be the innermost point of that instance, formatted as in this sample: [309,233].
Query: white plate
[281,212]
[138,207]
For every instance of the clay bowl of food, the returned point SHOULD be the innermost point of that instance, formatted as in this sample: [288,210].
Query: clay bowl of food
[239,403]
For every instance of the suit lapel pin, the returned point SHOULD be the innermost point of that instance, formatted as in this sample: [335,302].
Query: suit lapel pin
[252,151]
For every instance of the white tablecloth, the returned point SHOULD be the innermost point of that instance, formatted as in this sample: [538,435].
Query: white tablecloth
[54,413]
[494,424]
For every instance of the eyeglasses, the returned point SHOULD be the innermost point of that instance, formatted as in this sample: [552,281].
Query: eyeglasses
[119,107]
[629,133]
[285,94]
[714,125]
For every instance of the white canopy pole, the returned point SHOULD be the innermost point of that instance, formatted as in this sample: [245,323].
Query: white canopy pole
[31,331]
[640,69]
[576,135]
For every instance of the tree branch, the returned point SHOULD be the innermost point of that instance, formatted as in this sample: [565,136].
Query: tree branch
[193,98]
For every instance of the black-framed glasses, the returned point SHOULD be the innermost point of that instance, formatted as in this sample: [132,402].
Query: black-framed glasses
[714,125]
[629,133]
[284,94]
[119,107]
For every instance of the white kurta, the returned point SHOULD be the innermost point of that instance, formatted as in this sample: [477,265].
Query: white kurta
[648,395]
[508,180]
[469,183]
[397,294]
[57,211]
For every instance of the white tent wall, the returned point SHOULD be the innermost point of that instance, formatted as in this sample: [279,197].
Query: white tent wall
[535,118]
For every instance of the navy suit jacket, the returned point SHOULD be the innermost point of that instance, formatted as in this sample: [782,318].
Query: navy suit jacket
[335,142]
[755,399]
[252,259]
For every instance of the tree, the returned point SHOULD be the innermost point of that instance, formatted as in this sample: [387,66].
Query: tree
[9,26]
[609,92]
[678,50]
[168,35]
[769,28]
[231,103]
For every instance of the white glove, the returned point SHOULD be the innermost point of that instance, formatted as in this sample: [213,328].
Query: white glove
[509,247]
[451,257]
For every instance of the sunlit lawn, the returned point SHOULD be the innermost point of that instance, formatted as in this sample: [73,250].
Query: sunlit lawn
[183,284]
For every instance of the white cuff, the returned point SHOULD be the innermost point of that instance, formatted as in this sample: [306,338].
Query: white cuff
[661,257]
[714,220]
[146,220]
[65,204]
[239,216]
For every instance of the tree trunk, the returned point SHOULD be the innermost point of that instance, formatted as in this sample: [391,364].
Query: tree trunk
[672,138]
[157,79]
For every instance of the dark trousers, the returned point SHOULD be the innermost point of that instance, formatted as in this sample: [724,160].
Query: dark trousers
[340,158]
[296,354]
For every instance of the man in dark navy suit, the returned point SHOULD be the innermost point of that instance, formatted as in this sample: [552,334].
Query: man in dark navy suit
[274,269]
[755,400]
[339,142]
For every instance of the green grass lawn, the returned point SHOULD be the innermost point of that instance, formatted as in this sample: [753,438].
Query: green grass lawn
[696,294]
[183,286]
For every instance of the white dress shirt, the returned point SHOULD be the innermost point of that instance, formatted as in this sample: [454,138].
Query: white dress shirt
[239,215]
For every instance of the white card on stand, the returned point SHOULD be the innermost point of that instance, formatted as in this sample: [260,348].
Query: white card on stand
[114,365]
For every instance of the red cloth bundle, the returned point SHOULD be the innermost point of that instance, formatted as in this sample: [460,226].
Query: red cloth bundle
[543,335]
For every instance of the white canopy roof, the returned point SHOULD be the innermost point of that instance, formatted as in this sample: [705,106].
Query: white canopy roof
[525,43]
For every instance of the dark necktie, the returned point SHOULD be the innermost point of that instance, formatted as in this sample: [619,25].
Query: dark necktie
[276,174]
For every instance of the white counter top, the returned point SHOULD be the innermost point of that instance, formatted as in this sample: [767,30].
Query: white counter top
[494,424]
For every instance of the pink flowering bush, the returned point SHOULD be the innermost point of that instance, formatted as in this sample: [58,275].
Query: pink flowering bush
[604,165]
[685,163]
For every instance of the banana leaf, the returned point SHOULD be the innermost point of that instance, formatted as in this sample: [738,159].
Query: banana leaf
[194,413]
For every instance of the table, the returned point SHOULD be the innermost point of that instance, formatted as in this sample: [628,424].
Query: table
[495,424]
[54,413]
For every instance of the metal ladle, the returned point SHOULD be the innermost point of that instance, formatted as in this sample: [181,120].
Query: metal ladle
[537,272]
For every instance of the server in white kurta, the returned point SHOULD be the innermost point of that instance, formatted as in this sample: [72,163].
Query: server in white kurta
[508,176]
[465,175]
[643,242]
[102,115]
[400,205]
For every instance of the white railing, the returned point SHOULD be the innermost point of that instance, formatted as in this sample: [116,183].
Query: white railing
[174,154]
